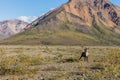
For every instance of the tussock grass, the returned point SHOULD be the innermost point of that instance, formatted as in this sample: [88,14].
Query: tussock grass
[19,64]
[59,63]
[108,67]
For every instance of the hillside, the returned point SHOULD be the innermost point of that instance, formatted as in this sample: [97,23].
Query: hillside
[77,22]
[11,27]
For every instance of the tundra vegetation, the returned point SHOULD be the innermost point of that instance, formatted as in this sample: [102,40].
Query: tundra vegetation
[58,63]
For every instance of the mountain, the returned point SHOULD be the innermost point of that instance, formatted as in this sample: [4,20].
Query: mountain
[77,22]
[11,27]
[118,8]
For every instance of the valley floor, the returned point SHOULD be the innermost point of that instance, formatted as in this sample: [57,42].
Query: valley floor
[59,63]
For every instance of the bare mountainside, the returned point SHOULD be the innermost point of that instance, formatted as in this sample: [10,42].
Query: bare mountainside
[11,27]
[77,22]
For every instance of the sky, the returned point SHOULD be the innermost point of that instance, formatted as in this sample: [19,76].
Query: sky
[28,10]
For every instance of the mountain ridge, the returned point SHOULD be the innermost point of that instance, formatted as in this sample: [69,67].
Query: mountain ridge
[66,5]
[11,27]
[77,22]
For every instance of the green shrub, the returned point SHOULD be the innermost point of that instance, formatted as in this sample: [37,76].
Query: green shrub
[21,64]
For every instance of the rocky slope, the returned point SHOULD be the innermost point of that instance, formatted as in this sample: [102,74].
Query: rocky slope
[77,22]
[84,12]
[11,27]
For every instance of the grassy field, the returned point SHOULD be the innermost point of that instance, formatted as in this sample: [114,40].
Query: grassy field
[59,63]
